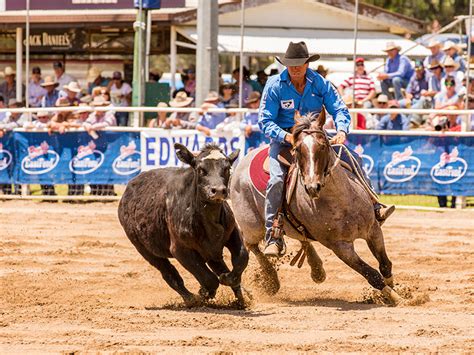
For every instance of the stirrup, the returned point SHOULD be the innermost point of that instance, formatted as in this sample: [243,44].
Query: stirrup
[275,247]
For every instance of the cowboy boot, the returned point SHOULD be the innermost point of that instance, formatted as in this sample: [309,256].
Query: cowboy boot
[274,244]
[382,212]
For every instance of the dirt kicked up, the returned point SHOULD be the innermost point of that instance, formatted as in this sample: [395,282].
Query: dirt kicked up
[71,281]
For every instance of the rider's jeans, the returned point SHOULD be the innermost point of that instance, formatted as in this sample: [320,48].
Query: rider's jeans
[275,185]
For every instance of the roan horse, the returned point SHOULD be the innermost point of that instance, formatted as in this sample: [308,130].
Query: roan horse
[333,207]
[182,213]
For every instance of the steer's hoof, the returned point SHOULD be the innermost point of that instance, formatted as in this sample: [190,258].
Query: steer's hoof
[192,301]
[229,279]
[392,296]
[206,294]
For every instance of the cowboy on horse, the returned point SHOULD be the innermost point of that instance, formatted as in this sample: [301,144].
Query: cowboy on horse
[297,90]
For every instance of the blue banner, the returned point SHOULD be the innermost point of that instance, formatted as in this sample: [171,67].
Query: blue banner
[6,158]
[421,165]
[76,158]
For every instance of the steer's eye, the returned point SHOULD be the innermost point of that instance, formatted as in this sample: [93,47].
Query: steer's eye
[202,171]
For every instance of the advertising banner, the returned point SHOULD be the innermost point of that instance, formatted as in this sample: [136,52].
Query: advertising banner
[6,158]
[158,145]
[422,165]
[76,158]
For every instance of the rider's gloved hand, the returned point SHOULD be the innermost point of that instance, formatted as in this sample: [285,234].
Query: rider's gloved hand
[339,138]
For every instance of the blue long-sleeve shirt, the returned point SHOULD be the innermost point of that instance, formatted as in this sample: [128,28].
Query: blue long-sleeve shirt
[399,66]
[280,100]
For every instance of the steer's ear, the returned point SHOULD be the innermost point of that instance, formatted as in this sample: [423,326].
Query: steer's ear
[185,155]
[233,156]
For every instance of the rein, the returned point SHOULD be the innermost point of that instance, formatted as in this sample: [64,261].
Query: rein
[329,170]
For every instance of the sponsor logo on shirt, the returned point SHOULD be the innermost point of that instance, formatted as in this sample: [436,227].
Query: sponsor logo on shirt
[450,168]
[287,104]
[403,166]
[87,160]
[40,159]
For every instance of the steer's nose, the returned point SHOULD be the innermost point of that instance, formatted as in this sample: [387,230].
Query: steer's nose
[218,192]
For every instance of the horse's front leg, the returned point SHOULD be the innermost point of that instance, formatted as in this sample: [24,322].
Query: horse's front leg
[318,274]
[345,251]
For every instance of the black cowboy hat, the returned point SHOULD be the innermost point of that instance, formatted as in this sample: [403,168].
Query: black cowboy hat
[297,54]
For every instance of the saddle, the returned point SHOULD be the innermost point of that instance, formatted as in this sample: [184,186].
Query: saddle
[259,171]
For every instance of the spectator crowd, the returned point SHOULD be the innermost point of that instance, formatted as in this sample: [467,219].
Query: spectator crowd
[437,82]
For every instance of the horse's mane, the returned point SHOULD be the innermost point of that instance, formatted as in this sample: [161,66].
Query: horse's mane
[304,122]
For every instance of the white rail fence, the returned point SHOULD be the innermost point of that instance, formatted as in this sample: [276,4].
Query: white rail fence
[466,114]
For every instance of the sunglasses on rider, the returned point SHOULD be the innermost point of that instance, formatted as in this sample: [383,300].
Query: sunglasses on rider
[449,83]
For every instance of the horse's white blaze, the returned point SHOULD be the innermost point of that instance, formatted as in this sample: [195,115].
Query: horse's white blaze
[215,154]
[309,141]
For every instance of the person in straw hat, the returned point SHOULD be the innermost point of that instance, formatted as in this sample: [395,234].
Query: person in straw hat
[8,87]
[436,76]
[42,121]
[436,53]
[100,119]
[398,71]
[72,90]
[52,94]
[451,69]
[294,91]
[452,50]
[181,119]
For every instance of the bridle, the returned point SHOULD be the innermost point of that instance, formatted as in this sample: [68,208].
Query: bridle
[329,169]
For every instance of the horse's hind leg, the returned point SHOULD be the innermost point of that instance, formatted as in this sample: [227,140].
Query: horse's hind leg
[268,277]
[345,251]
[377,247]
[318,274]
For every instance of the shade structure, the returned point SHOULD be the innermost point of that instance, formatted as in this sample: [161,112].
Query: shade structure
[327,43]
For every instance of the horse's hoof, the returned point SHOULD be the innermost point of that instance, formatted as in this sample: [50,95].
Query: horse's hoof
[318,276]
[229,279]
[389,281]
[392,296]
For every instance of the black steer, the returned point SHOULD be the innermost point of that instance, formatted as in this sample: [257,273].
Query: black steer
[182,213]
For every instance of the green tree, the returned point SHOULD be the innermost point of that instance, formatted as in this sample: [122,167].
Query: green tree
[426,10]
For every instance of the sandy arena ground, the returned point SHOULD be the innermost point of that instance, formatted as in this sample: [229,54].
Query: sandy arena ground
[70,281]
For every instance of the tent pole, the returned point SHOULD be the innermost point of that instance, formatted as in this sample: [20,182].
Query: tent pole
[19,63]
[27,58]
[241,64]
[173,58]
[356,33]
[468,71]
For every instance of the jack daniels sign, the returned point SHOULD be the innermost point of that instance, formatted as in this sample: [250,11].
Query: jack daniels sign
[63,40]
